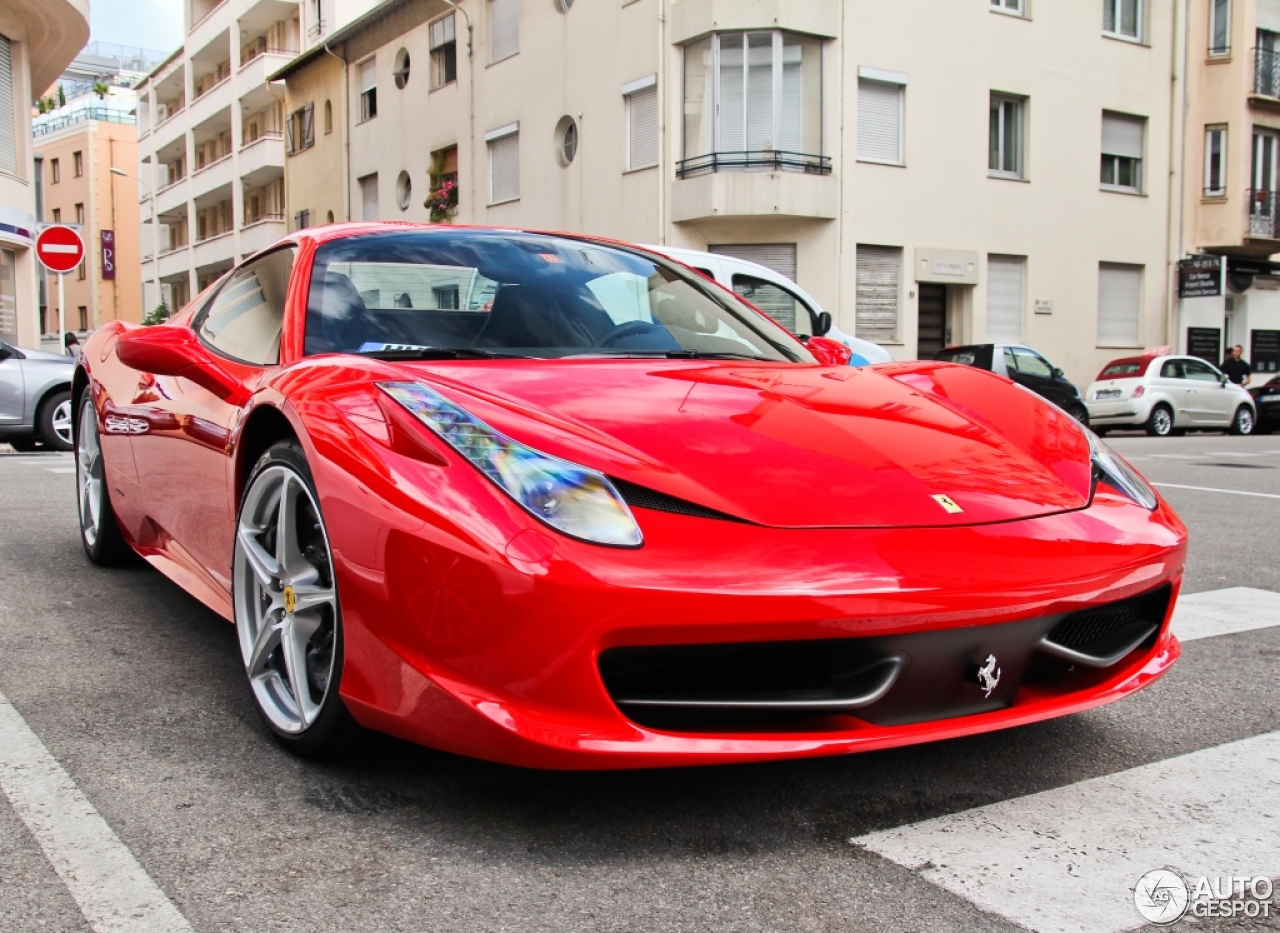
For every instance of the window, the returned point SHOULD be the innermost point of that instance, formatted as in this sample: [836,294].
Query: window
[1215,162]
[504,29]
[80,214]
[444,52]
[1005,277]
[1008,119]
[55,172]
[328,118]
[83,312]
[779,303]
[1122,144]
[369,197]
[404,191]
[1266,65]
[878,273]
[368,89]
[77,163]
[1029,363]
[1119,305]
[780,257]
[642,122]
[880,120]
[80,273]
[57,215]
[244,318]
[301,130]
[302,220]
[753,100]
[8,126]
[1009,6]
[504,164]
[400,74]
[1198,370]
[1122,19]
[566,140]
[1172,369]
[1219,27]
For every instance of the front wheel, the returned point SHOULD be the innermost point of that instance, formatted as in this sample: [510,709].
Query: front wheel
[1242,423]
[1160,424]
[99,532]
[287,612]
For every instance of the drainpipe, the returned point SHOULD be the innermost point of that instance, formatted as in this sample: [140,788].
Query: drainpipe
[1179,100]
[346,139]
[663,111]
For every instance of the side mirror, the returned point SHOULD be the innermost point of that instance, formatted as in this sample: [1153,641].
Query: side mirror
[829,352]
[168,350]
[822,324]
[1058,373]
[1222,378]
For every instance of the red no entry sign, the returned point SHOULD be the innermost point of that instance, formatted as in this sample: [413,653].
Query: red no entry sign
[59,249]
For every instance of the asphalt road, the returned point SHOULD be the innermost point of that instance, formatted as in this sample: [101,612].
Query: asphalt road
[137,692]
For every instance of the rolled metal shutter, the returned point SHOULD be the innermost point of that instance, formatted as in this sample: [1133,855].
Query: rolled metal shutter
[878,274]
[504,28]
[1004,298]
[369,197]
[8,121]
[504,169]
[879,121]
[642,128]
[1122,135]
[780,257]
[1119,304]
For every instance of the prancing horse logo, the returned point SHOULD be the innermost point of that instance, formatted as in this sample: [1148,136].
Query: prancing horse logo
[989,675]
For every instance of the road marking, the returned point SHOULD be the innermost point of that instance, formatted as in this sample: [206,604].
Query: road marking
[1229,492]
[111,889]
[59,469]
[1225,612]
[1068,858]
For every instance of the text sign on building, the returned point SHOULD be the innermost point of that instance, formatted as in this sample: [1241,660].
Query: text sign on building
[1206,343]
[948,267]
[1264,351]
[59,248]
[1200,277]
[108,238]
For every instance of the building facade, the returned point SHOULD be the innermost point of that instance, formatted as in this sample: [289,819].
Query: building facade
[973,171]
[37,40]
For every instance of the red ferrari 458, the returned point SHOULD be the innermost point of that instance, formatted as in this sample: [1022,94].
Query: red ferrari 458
[560,502]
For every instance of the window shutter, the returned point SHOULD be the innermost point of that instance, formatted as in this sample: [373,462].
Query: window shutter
[1269,15]
[877,293]
[8,130]
[780,257]
[1119,304]
[760,135]
[879,121]
[369,197]
[368,75]
[504,168]
[504,28]
[290,132]
[642,128]
[792,97]
[308,126]
[1004,298]
[1122,135]
[730,118]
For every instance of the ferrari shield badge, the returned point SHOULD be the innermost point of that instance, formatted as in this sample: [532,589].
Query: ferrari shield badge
[989,675]
[948,503]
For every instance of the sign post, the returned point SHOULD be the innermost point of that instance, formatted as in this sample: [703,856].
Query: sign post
[60,250]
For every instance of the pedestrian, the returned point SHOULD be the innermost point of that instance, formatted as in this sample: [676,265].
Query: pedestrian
[1235,366]
[72,343]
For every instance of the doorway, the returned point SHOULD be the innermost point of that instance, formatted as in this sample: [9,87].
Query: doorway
[931,320]
[1262,210]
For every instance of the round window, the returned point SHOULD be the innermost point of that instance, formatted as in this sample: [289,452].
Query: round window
[404,190]
[564,5]
[401,72]
[566,140]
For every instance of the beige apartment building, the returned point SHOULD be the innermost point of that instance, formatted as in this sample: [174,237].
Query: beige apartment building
[932,172]
[37,40]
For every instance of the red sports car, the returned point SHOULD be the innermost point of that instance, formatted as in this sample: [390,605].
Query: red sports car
[561,502]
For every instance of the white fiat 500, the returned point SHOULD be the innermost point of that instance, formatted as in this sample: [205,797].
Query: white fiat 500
[1167,395]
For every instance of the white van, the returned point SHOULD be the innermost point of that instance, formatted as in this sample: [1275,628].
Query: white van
[776,295]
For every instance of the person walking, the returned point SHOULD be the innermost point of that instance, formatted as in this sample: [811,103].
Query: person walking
[72,343]
[1236,367]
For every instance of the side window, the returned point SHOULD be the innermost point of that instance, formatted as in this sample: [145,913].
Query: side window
[775,301]
[1033,364]
[1201,372]
[244,319]
[1172,369]
[1010,363]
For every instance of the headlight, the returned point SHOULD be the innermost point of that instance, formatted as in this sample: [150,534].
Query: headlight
[578,501]
[1111,467]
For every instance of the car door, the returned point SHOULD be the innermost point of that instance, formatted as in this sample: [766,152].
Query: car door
[1034,372]
[12,387]
[183,459]
[1212,403]
[1169,383]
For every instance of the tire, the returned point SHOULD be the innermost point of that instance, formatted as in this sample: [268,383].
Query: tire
[1160,422]
[54,421]
[1101,432]
[287,613]
[99,531]
[1242,422]
[1080,413]
[24,444]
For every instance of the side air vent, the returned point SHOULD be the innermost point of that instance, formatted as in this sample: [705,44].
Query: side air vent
[642,497]
[1101,636]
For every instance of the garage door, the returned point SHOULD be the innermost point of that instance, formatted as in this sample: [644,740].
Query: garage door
[780,257]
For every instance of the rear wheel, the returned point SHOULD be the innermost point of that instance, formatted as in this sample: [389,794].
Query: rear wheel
[99,533]
[1080,413]
[53,421]
[1242,423]
[1160,424]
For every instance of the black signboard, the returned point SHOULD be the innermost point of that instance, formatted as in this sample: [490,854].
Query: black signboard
[1206,343]
[1264,350]
[1200,277]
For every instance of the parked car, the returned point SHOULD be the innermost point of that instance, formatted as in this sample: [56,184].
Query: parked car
[1167,395]
[1266,399]
[1024,366]
[35,398]
[777,296]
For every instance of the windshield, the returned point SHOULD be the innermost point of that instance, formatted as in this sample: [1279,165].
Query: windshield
[508,294]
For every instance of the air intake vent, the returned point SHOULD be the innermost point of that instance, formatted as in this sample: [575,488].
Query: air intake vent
[642,497]
[1101,636]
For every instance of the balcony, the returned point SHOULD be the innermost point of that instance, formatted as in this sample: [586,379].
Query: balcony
[174,261]
[261,232]
[262,159]
[316,30]
[216,247]
[1264,219]
[212,175]
[773,160]
[265,62]
[205,29]
[708,189]
[1266,79]
[170,128]
[173,197]
[212,102]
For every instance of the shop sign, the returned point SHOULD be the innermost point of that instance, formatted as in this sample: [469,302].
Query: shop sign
[1200,277]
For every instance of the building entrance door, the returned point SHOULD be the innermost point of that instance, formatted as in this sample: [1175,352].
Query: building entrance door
[931,322]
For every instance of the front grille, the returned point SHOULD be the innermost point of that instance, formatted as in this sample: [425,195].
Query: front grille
[645,498]
[1091,631]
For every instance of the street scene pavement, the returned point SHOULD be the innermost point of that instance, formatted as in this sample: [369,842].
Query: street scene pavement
[121,693]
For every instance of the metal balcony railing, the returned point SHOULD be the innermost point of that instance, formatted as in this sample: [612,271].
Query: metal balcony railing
[776,160]
[1266,73]
[1263,214]
[317,30]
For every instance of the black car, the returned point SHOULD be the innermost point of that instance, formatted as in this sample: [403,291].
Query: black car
[1025,367]
[1266,398]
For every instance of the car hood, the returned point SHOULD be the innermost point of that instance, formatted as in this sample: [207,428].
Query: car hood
[793,445]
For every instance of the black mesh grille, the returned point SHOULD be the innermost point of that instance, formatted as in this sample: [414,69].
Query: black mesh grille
[1088,627]
[644,498]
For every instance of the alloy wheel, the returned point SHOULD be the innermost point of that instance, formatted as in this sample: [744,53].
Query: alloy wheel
[286,605]
[88,472]
[1244,421]
[1162,421]
[62,422]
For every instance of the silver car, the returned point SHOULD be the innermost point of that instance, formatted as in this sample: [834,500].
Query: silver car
[35,398]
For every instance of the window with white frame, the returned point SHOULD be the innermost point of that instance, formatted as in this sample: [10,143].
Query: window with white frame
[753,100]
[880,111]
[1122,146]
[1122,19]
[1007,136]
[368,89]
[1119,305]
[1219,28]
[1014,7]
[369,208]
[878,277]
[504,163]
[1215,161]
[444,52]
[504,29]
[8,124]
[1006,276]
[642,122]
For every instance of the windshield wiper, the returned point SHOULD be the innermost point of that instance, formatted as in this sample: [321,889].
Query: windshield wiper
[434,353]
[713,355]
